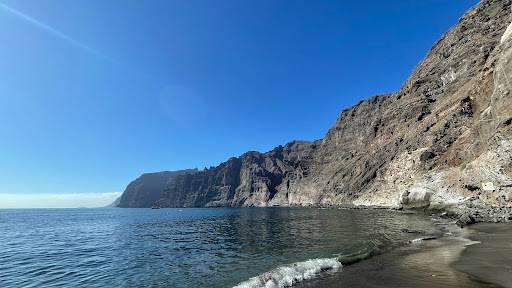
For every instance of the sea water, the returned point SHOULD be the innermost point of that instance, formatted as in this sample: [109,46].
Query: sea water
[194,247]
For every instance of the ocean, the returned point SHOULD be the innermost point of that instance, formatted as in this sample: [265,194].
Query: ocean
[211,247]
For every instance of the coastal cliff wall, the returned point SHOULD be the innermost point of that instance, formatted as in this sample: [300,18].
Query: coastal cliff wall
[144,191]
[427,146]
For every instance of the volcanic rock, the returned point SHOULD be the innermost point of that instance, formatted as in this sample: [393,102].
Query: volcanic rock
[425,147]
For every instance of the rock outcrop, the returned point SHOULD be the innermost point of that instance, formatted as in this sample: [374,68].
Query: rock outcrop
[465,220]
[144,191]
[428,146]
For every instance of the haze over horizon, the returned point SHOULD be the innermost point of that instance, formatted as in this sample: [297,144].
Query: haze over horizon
[95,93]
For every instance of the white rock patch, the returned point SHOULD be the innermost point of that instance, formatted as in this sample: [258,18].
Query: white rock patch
[507,33]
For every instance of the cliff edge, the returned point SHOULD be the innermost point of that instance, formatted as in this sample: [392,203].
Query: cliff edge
[144,191]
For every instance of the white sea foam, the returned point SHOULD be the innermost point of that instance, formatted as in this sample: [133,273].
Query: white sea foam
[286,276]
[417,240]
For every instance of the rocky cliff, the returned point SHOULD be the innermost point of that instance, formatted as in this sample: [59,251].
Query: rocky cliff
[429,145]
[253,179]
[144,191]
[114,204]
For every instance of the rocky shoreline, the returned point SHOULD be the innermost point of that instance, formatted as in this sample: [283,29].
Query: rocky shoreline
[464,217]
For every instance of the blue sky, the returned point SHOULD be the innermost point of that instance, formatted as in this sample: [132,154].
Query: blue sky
[94,93]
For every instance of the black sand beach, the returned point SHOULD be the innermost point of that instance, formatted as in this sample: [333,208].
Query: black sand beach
[478,256]
[491,259]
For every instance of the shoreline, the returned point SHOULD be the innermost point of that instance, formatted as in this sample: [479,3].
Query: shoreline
[462,259]
[448,261]
[466,215]
[490,257]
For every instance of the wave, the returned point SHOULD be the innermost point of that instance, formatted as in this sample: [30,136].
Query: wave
[367,249]
[288,275]
[417,240]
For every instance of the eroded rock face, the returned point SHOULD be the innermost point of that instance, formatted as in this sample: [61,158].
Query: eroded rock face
[144,191]
[426,146]
[253,179]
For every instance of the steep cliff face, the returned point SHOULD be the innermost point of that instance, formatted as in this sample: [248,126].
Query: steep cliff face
[388,143]
[144,191]
[249,180]
[427,146]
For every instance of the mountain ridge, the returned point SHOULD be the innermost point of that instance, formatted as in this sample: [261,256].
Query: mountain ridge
[427,146]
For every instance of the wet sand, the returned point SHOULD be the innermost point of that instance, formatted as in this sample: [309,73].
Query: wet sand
[433,263]
[491,259]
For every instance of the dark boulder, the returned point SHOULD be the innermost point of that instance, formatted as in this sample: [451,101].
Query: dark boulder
[465,220]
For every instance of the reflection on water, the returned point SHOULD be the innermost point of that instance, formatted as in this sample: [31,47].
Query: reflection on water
[213,247]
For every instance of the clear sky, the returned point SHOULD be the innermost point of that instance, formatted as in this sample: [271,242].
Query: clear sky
[94,93]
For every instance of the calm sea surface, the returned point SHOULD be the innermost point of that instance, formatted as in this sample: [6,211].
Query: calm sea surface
[211,247]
